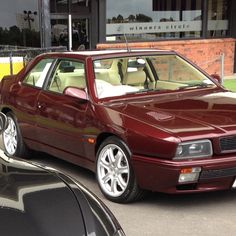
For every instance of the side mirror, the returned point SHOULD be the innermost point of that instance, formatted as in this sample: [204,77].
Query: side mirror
[76,93]
[217,78]
[3,122]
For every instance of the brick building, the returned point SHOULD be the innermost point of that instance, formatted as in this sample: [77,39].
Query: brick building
[202,30]
[206,53]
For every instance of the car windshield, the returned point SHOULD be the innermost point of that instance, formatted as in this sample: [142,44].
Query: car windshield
[144,74]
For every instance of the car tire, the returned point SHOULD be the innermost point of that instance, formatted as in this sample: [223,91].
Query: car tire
[12,139]
[115,175]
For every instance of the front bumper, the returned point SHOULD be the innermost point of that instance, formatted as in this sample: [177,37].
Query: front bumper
[161,175]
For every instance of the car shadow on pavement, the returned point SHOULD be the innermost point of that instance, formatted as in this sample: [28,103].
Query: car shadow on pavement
[191,200]
[64,166]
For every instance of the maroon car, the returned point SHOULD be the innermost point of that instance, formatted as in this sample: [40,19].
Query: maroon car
[142,120]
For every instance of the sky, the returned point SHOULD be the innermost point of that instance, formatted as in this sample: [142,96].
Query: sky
[9,9]
[126,8]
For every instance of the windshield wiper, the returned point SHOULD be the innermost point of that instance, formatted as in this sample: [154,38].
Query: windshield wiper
[140,91]
[200,85]
[149,90]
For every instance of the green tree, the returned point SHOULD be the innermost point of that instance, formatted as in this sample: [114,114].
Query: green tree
[120,19]
[14,36]
[131,18]
[143,18]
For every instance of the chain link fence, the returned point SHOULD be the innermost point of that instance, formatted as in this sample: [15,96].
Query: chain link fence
[13,58]
[214,66]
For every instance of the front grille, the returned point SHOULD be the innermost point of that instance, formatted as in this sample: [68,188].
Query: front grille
[228,144]
[211,174]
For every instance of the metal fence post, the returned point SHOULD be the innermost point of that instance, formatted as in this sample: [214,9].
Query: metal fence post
[10,52]
[70,32]
[11,64]
[222,68]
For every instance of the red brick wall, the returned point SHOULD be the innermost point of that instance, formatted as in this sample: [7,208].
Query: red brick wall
[205,53]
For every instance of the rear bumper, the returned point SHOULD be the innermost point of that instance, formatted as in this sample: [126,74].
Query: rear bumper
[162,175]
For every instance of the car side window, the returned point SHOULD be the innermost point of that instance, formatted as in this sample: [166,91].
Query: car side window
[37,75]
[67,74]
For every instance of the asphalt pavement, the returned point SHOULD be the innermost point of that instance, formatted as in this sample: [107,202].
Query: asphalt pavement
[162,214]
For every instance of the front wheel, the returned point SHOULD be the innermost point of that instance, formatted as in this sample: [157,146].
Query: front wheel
[12,139]
[115,174]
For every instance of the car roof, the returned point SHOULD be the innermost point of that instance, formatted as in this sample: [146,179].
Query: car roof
[95,53]
[105,52]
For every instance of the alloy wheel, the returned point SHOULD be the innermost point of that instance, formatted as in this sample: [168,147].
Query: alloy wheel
[10,137]
[113,170]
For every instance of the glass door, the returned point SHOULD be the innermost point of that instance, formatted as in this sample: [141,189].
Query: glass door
[59,32]
[80,34]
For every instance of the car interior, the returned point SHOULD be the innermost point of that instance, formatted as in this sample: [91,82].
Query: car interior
[133,74]
[120,76]
[68,74]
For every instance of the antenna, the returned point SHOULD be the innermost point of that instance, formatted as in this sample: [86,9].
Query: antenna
[127,44]
[120,29]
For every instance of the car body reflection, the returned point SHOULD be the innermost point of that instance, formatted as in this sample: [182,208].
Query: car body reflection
[36,201]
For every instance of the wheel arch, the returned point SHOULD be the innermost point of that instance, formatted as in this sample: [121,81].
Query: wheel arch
[100,139]
[131,190]
[5,110]
[103,136]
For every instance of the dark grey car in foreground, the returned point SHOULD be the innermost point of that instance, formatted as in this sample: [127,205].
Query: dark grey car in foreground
[37,201]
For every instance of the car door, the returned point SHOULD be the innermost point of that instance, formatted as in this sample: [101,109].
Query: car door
[60,118]
[26,96]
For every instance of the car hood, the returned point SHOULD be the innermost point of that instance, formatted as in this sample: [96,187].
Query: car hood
[184,115]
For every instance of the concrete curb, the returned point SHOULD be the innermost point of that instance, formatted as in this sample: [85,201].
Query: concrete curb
[230,77]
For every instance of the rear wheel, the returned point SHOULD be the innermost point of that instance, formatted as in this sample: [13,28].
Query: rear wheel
[115,174]
[12,139]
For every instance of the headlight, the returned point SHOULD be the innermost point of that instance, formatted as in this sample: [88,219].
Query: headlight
[196,149]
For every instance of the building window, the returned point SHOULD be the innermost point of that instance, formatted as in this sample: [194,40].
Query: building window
[154,19]
[166,19]
[59,6]
[80,6]
[218,24]
[80,11]
[73,6]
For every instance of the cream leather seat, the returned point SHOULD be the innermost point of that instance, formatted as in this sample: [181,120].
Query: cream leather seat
[63,80]
[135,78]
[73,80]
[109,76]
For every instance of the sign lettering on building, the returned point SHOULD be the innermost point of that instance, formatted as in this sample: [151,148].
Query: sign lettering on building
[163,27]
